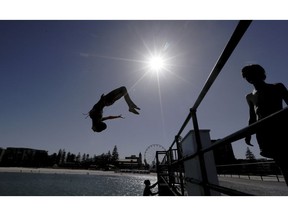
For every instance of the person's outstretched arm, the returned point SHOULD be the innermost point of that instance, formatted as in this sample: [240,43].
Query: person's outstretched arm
[152,186]
[111,117]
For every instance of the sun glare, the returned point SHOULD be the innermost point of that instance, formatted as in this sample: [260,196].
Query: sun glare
[156,63]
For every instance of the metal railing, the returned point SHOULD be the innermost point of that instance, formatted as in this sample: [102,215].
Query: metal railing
[252,170]
[170,169]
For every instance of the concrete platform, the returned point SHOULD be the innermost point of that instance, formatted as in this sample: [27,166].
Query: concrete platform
[255,187]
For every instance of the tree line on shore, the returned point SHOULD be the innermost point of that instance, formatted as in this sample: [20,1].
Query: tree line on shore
[24,157]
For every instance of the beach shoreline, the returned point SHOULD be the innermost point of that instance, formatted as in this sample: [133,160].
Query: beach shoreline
[64,171]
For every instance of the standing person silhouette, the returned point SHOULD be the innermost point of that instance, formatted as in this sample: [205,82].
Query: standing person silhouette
[96,113]
[265,100]
[147,190]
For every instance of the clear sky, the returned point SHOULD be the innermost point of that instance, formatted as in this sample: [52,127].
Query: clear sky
[53,71]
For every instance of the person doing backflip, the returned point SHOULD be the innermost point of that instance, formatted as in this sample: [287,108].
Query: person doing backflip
[96,113]
[265,100]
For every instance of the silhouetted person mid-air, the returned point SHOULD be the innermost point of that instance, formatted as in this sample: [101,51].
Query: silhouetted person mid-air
[148,187]
[96,113]
[265,100]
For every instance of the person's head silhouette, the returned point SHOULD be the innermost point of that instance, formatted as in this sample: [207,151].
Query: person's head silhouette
[147,182]
[253,73]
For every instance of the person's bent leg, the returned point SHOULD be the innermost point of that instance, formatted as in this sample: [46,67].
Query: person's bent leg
[131,104]
[115,95]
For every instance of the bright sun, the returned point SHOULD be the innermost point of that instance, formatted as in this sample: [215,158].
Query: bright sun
[156,63]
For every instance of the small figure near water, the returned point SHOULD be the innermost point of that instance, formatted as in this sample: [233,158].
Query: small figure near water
[265,100]
[148,187]
[96,113]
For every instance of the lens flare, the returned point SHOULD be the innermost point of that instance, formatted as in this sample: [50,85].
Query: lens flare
[156,63]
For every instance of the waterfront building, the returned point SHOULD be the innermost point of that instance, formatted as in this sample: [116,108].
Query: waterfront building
[131,162]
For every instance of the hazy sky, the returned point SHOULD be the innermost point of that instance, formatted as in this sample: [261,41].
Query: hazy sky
[53,71]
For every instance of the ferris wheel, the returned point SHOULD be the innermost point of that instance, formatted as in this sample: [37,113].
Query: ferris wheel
[150,154]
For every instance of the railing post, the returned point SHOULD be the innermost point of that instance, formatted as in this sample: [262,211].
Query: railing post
[180,155]
[200,154]
[159,172]
[179,147]
[170,168]
[277,178]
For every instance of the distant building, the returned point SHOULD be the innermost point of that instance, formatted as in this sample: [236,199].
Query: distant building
[23,157]
[131,162]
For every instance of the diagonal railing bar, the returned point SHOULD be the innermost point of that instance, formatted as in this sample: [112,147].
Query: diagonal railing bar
[231,45]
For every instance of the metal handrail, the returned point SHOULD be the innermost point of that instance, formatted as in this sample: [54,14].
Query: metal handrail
[249,130]
[231,45]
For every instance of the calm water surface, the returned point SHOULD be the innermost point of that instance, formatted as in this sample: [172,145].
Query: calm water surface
[42,184]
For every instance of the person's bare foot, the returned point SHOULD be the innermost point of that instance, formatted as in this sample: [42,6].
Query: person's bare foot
[134,111]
